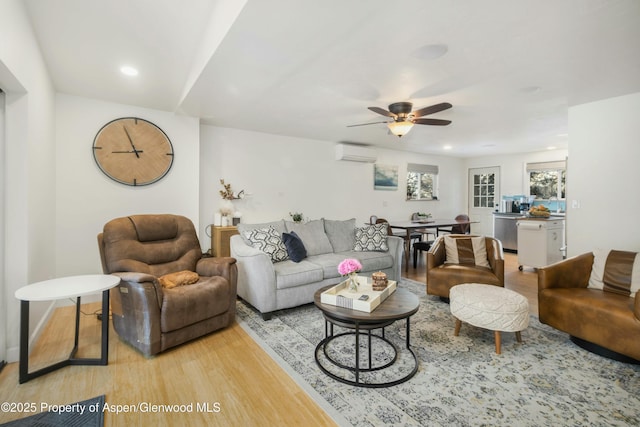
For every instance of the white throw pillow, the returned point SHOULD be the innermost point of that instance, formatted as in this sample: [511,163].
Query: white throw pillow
[371,238]
[466,250]
[609,272]
[269,241]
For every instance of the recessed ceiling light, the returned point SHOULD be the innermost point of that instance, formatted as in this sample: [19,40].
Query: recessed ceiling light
[562,134]
[129,71]
[447,147]
[430,52]
[551,147]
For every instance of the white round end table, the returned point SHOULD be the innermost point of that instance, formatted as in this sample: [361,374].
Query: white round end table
[61,288]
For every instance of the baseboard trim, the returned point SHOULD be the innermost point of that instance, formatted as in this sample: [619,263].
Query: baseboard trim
[601,351]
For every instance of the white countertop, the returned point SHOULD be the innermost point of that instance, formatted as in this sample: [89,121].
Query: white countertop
[67,287]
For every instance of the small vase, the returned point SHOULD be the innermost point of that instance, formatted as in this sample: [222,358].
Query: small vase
[352,282]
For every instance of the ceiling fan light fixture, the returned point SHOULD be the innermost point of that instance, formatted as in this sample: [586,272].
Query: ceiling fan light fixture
[400,128]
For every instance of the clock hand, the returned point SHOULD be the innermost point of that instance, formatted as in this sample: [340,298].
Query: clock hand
[131,142]
[136,151]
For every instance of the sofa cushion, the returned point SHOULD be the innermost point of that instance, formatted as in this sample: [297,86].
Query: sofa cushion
[268,240]
[371,238]
[371,261]
[313,237]
[243,228]
[615,271]
[466,250]
[295,247]
[290,274]
[341,234]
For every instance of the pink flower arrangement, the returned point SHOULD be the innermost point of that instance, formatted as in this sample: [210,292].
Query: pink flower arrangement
[349,266]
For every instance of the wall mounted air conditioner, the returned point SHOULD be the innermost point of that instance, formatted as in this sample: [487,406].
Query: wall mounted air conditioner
[355,153]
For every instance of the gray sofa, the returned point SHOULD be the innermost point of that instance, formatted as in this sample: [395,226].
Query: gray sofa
[269,286]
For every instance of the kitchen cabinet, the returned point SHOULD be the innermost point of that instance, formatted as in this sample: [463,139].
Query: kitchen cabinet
[540,241]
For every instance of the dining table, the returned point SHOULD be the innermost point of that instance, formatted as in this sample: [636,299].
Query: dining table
[411,227]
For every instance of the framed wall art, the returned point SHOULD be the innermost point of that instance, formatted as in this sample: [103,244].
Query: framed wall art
[385,177]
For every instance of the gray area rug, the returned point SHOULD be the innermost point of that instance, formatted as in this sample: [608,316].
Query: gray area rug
[87,413]
[546,380]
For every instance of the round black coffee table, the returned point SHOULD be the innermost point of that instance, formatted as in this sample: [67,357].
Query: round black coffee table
[401,304]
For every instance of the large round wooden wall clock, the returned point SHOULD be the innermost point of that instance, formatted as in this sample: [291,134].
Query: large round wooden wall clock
[133,151]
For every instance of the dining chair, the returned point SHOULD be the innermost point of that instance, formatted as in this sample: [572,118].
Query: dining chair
[458,228]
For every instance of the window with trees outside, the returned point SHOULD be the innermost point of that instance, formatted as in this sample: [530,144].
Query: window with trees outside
[547,180]
[422,182]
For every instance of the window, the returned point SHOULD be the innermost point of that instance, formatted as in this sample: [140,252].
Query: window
[547,180]
[484,190]
[422,182]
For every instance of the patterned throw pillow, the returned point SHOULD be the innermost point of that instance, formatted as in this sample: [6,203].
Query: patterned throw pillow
[615,271]
[466,251]
[371,238]
[268,240]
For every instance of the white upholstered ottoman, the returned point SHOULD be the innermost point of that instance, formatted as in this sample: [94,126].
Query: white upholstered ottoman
[490,307]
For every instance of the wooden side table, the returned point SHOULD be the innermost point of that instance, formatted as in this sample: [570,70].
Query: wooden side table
[220,236]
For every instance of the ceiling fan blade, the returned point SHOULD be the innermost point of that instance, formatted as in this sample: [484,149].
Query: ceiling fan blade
[365,124]
[382,111]
[432,109]
[432,122]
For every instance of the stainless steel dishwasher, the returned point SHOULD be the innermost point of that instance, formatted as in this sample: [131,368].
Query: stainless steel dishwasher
[505,229]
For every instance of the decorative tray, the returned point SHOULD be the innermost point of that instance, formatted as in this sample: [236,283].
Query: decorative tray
[340,296]
[423,221]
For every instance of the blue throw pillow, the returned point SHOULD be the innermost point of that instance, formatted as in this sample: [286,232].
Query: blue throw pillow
[295,247]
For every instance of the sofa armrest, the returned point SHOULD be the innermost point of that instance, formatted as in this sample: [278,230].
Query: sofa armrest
[495,256]
[396,249]
[256,275]
[570,273]
[436,255]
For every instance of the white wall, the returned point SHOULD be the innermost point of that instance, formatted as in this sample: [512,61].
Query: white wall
[29,192]
[286,174]
[513,177]
[604,172]
[87,199]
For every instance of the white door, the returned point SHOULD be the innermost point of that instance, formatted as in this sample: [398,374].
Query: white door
[484,190]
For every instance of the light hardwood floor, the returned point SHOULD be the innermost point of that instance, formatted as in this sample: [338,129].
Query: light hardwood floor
[225,370]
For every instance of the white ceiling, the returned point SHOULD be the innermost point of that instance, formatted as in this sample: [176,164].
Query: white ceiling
[309,68]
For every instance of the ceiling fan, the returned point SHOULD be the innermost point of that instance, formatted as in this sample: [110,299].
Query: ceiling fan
[404,118]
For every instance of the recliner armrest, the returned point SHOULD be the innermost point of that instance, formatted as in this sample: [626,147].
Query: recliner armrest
[129,276]
[570,273]
[143,283]
[219,266]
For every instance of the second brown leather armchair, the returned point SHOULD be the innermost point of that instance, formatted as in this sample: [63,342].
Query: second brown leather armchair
[441,277]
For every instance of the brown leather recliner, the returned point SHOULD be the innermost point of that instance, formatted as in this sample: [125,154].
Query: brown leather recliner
[590,316]
[141,248]
[441,277]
